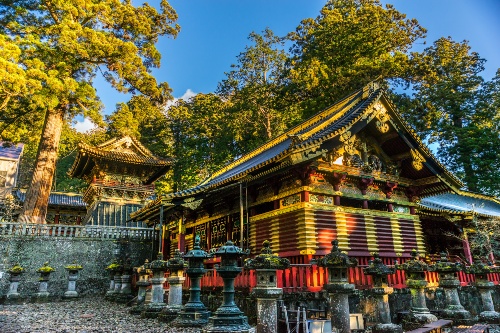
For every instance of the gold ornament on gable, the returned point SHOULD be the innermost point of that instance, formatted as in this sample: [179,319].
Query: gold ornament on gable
[417,160]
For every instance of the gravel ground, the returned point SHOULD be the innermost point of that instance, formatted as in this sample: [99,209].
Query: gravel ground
[86,315]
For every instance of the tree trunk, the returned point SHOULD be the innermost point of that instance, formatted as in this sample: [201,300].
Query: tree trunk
[37,196]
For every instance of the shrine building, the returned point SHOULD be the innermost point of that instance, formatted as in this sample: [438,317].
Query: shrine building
[355,171]
[121,173]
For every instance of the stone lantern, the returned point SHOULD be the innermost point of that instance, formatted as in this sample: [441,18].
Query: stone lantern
[125,292]
[381,292]
[194,314]
[114,269]
[73,270]
[415,280]
[15,276]
[338,263]
[449,282]
[175,280]
[266,291]
[143,284]
[480,271]
[228,316]
[44,271]
[158,267]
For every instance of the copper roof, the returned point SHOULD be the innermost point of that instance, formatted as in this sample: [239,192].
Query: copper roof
[462,203]
[66,199]
[10,151]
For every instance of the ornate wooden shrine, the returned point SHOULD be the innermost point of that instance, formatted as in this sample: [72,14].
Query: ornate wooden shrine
[120,173]
[354,172]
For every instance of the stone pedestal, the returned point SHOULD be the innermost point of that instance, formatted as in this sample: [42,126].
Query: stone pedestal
[110,294]
[381,291]
[170,312]
[194,314]
[142,285]
[339,305]
[419,308]
[384,325]
[447,280]
[72,277]
[338,263]
[43,294]
[266,291]
[12,294]
[415,280]
[158,266]
[125,294]
[454,309]
[489,315]
[228,317]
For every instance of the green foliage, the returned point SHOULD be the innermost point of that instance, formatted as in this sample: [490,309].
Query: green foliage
[255,90]
[45,269]
[203,138]
[61,46]
[455,108]
[74,267]
[351,43]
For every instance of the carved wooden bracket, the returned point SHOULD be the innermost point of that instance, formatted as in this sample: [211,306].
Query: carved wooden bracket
[364,183]
[335,178]
[389,188]
[412,193]
[304,173]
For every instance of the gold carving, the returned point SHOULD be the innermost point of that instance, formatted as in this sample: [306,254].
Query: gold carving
[345,136]
[418,160]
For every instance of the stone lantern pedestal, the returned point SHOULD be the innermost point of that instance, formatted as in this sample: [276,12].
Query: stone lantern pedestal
[44,271]
[448,281]
[142,284]
[114,270]
[415,280]
[228,317]
[194,314]
[337,263]
[125,292]
[266,291]
[480,271]
[175,281]
[72,277]
[15,276]
[158,267]
[381,292]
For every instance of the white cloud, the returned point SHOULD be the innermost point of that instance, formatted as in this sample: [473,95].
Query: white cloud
[187,95]
[84,126]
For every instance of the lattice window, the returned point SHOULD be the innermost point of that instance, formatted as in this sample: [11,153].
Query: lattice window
[218,235]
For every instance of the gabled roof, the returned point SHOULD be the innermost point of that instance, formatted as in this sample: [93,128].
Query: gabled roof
[125,150]
[326,130]
[462,203]
[11,152]
[66,199]
[341,120]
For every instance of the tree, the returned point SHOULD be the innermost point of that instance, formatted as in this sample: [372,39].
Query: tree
[67,43]
[202,138]
[453,107]
[255,88]
[351,43]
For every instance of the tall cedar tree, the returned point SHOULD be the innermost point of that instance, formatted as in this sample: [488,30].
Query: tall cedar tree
[351,43]
[455,108]
[255,88]
[66,43]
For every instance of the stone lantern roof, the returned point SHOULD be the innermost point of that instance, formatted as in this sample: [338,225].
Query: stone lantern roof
[176,263]
[267,259]
[336,258]
[446,266]
[378,268]
[414,265]
[197,252]
[157,265]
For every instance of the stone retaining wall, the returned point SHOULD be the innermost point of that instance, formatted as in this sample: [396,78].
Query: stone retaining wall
[94,254]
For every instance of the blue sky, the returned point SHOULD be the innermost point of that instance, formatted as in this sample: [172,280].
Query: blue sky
[214,32]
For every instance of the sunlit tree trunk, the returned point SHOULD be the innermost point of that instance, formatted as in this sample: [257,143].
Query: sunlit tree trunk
[37,196]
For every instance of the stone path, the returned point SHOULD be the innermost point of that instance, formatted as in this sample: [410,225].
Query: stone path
[87,315]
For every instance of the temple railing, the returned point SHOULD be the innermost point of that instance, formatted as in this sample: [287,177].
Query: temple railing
[15,229]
